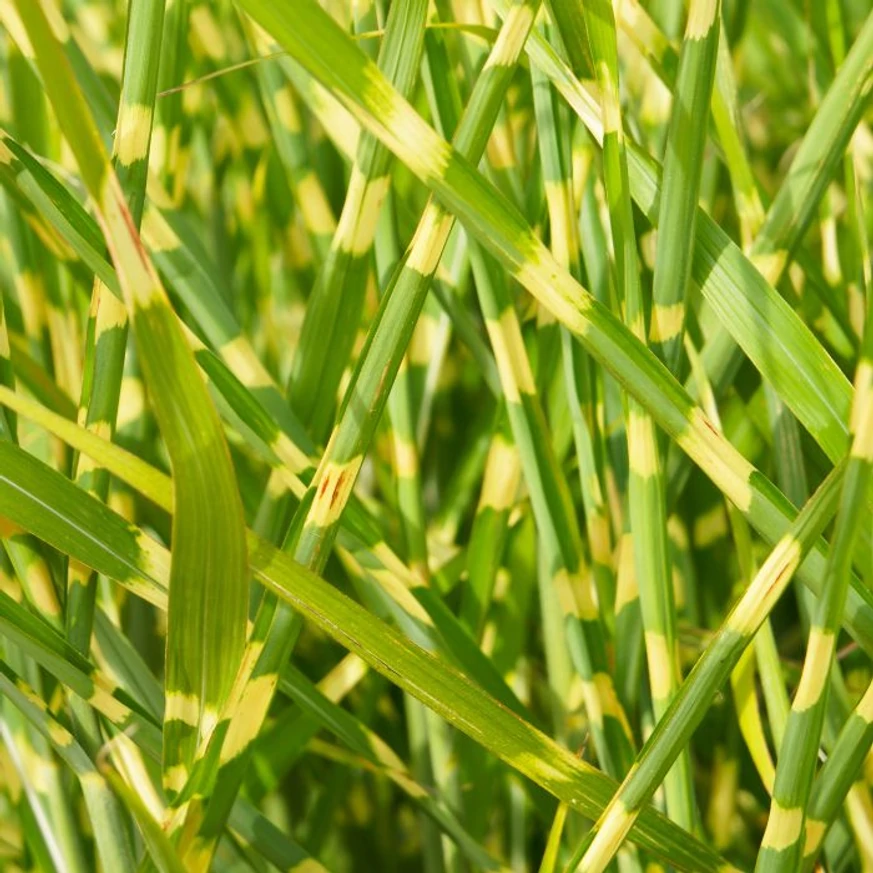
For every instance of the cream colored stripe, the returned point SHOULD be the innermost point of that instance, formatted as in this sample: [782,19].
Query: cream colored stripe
[335,484]
[430,237]
[513,365]
[766,587]
[613,829]
[667,322]
[182,707]
[643,453]
[783,827]
[816,668]
[511,38]
[660,665]
[132,135]
[502,474]
[701,17]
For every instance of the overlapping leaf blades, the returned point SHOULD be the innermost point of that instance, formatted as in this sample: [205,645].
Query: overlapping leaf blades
[455,517]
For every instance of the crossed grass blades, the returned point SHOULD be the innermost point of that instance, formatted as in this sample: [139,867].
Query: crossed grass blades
[436,435]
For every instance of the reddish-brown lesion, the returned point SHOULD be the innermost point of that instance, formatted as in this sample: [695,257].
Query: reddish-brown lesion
[332,482]
[134,235]
[710,426]
[332,490]
[785,572]
[337,491]
[324,485]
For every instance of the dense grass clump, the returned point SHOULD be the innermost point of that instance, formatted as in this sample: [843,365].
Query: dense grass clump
[436,435]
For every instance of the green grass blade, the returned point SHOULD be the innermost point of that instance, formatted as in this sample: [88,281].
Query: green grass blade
[507,235]
[712,669]
[613,447]
[683,164]
[78,522]
[334,308]
[646,495]
[104,365]
[205,640]
[98,798]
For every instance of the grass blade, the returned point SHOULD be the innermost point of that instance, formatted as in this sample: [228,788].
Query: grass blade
[205,642]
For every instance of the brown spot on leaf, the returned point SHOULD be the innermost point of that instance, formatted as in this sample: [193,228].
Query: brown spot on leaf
[710,426]
[128,220]
[337,490]
[324,485]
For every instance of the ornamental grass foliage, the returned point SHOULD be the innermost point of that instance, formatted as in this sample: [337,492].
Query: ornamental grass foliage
[436,435]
